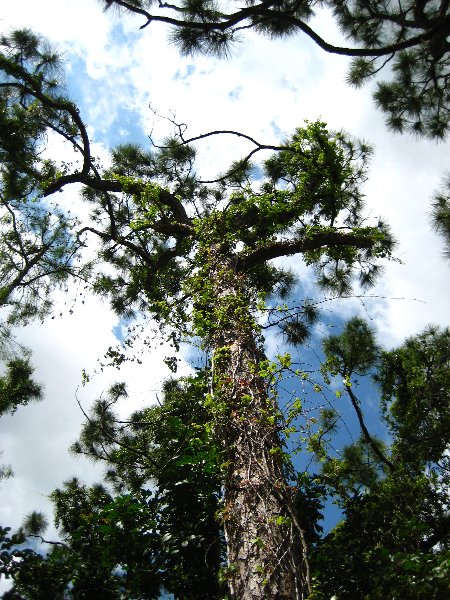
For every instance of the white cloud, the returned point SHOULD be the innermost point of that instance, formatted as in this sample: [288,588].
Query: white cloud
[35,439]
[75,26]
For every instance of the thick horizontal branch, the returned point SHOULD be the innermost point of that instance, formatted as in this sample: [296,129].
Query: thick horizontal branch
[378,51]
[181,222]
[288,248]
[83,176]
[263,14]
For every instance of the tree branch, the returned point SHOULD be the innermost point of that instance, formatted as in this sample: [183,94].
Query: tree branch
[182,222]
[265,14]
[369,439]
[47,101]
[287,248]
[182,127]
[43,541]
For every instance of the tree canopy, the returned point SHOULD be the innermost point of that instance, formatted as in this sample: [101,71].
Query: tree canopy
[411,36]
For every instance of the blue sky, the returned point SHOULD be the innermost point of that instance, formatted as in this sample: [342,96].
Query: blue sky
[265,90]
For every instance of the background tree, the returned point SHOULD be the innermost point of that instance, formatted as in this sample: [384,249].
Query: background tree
[395,535]
[414,382]
[136,541]
[168,447]
[37,250]
[197,258]
[410,35]
[17,388]
[440,214]
[36,255]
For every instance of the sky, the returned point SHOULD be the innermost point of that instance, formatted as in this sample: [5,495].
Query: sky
[115,73]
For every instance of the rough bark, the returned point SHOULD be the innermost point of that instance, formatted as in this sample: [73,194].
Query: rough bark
[265,546]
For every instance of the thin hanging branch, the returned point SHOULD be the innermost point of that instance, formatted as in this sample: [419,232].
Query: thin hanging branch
[369,439]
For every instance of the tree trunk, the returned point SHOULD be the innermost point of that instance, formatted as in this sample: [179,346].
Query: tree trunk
[265,545]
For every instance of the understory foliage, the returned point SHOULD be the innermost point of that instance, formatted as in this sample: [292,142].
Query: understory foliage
[134,540]
[200,497]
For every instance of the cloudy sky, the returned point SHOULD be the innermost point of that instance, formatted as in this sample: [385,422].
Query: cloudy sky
[266,89]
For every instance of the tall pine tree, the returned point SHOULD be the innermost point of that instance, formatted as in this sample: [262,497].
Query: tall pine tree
[197,258]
